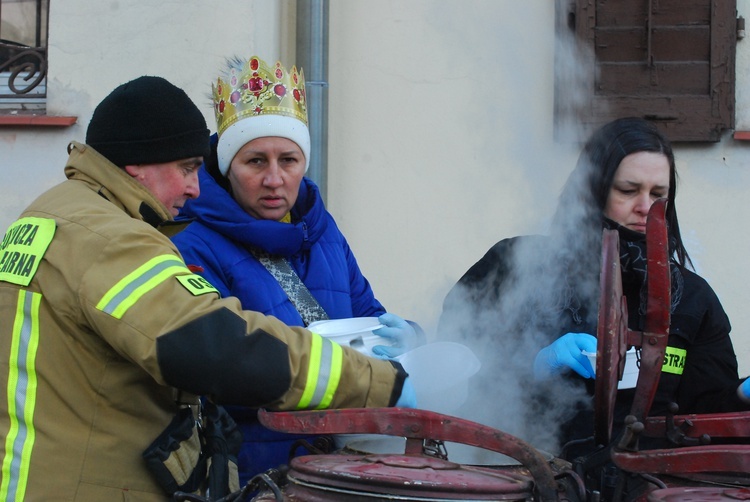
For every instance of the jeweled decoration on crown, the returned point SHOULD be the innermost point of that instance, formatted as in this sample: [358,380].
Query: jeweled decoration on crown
[253,88]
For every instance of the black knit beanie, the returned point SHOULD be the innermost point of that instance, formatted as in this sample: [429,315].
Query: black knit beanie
[148,121]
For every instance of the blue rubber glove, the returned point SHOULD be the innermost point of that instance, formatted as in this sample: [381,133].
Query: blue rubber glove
[565,353]
[744,391]
[402,334]
[408,398]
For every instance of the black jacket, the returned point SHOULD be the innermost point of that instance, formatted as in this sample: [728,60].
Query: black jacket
[554,293]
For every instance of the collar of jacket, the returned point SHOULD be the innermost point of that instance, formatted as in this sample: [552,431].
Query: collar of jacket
[114,184]
[217,210]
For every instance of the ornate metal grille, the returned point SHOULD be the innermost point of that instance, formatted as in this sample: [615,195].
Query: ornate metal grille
[28,63]
[23,53]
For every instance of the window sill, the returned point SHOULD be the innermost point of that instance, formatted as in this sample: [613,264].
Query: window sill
[17,120]
[742,135]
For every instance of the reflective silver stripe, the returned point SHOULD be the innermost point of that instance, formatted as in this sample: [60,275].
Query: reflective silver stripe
[22,386]
[127,290]
[324,373]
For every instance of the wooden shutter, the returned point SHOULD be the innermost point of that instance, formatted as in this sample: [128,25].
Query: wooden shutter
[670,61]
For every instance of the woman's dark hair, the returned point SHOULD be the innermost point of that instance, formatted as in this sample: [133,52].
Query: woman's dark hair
[590,182]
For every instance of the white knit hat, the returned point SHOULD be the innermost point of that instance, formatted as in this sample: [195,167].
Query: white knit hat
[245,130]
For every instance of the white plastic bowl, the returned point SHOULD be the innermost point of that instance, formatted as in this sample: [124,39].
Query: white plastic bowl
[629,375]
[440,373]
[355,332]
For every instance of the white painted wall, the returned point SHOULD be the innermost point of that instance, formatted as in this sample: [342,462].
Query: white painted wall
[96,46]
[440,128]
[441,144]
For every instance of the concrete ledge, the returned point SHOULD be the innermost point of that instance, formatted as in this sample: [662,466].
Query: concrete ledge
[36,120]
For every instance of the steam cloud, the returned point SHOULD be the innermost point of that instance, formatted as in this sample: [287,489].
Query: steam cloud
[507,332]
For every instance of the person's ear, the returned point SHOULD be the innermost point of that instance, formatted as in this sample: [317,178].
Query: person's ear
[134,171]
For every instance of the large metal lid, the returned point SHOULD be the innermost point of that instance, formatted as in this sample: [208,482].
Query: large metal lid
[699,494]
[409,475]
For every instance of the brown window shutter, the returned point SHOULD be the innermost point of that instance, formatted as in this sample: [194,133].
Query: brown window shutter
[670,61]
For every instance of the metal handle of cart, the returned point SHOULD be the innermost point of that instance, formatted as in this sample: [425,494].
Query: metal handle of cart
[416,426]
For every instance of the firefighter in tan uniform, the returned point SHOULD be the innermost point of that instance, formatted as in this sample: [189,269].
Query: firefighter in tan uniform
[105,334]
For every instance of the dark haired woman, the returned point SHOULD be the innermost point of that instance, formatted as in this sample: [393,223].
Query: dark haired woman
[531,301]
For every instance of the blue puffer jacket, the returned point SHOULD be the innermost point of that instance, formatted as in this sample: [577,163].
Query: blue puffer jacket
[216,241]
[313,244]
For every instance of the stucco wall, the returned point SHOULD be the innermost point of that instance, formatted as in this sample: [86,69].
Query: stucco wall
[440,128]
[441,144]
[95,46]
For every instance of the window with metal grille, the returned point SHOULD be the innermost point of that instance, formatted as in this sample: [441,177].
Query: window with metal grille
[670,61]
[23,55]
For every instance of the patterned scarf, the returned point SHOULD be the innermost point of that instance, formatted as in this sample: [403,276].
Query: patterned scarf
[633,263]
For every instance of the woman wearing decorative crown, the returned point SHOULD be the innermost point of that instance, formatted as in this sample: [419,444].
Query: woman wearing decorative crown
[262,233]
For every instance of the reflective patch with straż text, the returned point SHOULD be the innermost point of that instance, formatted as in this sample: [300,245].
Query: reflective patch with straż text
[674,360]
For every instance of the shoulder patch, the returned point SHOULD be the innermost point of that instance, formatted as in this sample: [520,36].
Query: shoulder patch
[197,285]
[23,247]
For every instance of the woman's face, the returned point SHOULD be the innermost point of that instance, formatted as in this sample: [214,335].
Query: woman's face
[640,179]
[265,176]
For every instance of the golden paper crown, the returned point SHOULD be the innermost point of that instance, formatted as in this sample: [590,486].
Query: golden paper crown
[255,89]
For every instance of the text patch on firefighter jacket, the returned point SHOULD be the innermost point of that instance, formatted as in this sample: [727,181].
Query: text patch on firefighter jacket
[23,247]
[197,285]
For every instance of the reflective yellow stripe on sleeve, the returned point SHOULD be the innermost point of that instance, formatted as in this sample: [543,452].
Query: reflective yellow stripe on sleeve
[323,374]
[22,385]
[132,287]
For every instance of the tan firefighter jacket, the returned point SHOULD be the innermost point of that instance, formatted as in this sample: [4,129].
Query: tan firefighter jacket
[100,321]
